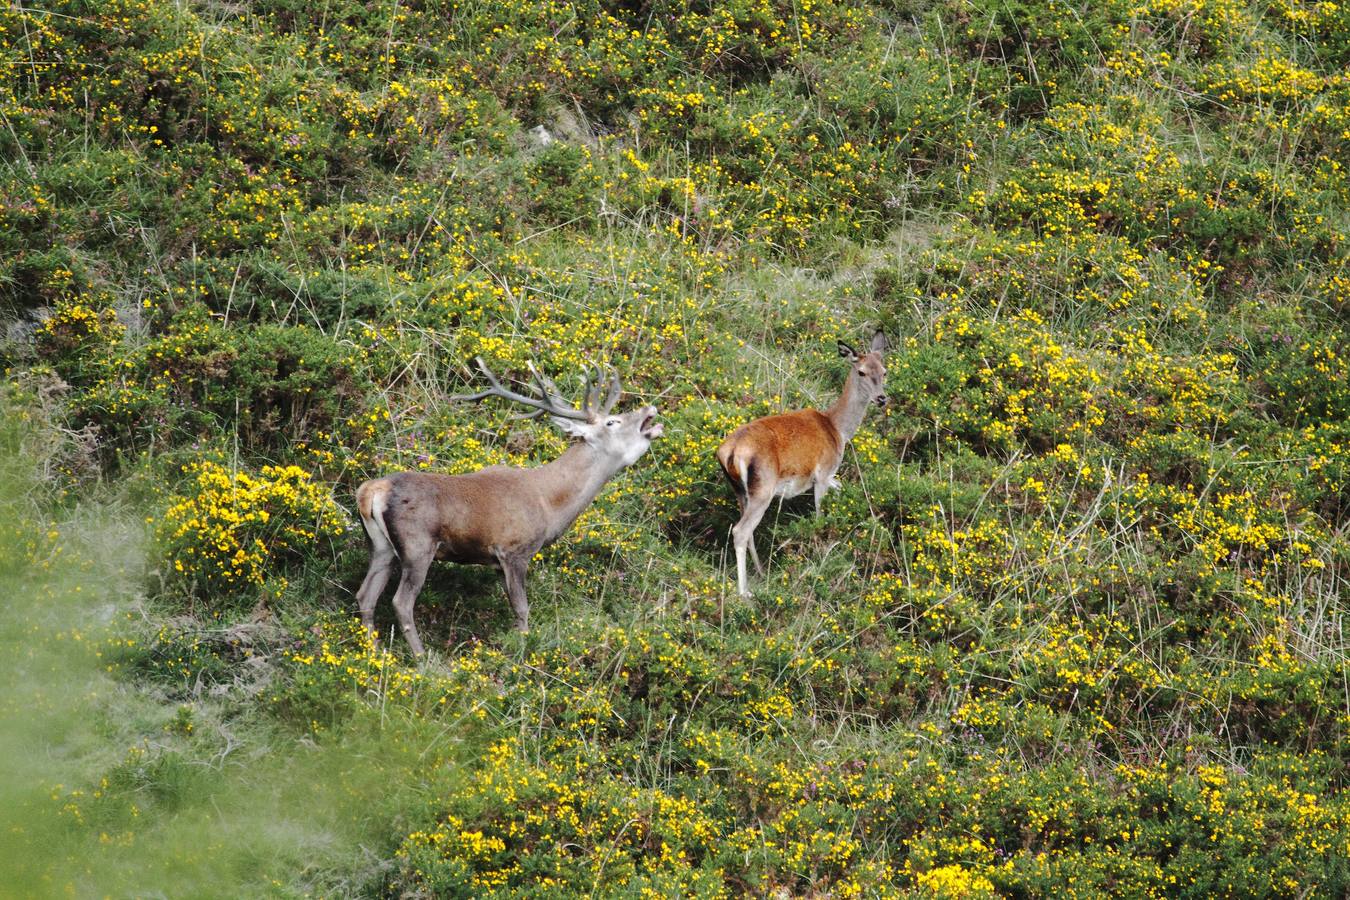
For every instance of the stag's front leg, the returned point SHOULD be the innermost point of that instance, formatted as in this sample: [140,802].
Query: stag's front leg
[513,570]
[822,487]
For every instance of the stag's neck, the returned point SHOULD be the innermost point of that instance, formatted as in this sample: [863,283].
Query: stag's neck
[848,411]
[577,476]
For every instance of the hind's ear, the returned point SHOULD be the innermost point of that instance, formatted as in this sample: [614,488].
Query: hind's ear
[846,351]
[879,342]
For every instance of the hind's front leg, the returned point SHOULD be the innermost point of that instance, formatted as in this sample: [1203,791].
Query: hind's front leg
[822,487]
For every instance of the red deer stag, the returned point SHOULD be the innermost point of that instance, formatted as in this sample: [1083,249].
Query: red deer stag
[499,516]
[783,455]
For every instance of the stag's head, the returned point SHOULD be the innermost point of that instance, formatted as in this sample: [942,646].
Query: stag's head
[624,437]
[869,368]
[621,437]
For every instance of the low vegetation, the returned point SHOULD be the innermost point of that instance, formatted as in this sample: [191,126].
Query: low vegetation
[1073,625]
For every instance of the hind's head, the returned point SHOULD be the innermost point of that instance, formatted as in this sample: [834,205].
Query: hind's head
[869,368]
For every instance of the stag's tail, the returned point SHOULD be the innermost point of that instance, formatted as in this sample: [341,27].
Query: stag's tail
[372,498]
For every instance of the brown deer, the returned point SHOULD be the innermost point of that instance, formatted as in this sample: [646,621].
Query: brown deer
[783,455]
[499,516]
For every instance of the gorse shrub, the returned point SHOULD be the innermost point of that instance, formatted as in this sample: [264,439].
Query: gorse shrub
[80,338]
[333,668]
[651,841]
[272,385]
[229,533]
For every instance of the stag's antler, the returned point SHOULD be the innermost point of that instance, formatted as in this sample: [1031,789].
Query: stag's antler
[615,390]
[550,403]
[551,400]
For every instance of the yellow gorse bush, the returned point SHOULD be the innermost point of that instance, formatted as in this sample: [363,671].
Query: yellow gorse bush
[228,530]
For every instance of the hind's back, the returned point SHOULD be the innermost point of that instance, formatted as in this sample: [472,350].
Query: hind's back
[787,445]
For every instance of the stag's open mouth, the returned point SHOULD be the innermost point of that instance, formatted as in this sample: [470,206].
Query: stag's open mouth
[652,428]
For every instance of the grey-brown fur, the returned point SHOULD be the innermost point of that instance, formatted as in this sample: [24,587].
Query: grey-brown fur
[499,516]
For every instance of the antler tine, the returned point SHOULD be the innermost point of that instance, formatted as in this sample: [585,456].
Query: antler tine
[545,384]
[589,391]
[592,395]
[615,392]
[546,405]
[495,391]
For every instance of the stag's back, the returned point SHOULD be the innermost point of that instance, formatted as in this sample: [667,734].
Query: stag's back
[465,517]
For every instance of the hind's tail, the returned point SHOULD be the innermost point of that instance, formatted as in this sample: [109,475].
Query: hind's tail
[372,498]
[738,467]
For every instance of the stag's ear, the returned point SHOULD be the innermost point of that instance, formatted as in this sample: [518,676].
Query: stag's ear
[879,342]
[846,351]
[571,427]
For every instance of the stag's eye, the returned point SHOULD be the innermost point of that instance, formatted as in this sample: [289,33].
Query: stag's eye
[611,423]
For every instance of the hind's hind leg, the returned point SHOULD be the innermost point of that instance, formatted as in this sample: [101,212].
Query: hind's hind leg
[743,537]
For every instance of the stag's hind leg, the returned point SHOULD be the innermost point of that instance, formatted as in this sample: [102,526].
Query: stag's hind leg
[416,560]
[740,505]
[372,500]
[377,576]
[754,553]
[748,483]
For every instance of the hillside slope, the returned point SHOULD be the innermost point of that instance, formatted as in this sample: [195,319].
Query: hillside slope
[1075,622]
